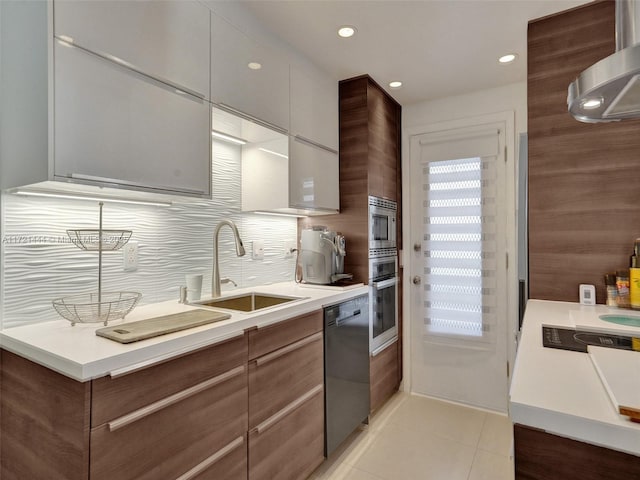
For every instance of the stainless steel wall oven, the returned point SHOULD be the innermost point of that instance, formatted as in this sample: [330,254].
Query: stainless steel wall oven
[383,297]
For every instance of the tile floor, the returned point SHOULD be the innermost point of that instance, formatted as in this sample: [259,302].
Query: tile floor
[418,438]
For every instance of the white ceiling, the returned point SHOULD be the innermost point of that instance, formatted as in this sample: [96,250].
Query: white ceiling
[436,48]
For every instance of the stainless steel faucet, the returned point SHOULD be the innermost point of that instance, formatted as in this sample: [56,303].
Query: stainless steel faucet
[215,276]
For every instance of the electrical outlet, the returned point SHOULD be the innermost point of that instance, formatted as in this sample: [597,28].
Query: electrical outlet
[130,256]
[257,252]
[289,247]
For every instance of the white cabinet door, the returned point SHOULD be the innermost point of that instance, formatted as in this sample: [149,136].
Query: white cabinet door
[262,92]
[168,40]
[314,107]
[115,126]
[314,175]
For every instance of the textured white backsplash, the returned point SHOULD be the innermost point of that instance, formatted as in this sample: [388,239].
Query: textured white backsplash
[40,263]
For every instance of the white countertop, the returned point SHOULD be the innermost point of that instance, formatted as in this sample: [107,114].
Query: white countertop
[80,354]
[560,391]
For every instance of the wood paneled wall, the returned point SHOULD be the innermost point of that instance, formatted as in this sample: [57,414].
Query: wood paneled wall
[584,179]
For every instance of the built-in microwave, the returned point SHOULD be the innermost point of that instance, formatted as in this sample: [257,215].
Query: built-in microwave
[382,223]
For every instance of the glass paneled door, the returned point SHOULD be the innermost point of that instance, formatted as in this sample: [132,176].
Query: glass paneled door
[459,309]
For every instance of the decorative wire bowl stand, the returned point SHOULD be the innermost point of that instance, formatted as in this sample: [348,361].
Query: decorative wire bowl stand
[89,239]
[86,308]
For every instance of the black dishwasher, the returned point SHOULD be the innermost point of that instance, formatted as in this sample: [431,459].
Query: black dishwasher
[346,369]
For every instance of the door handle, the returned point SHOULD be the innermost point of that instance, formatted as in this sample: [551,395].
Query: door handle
[417,280]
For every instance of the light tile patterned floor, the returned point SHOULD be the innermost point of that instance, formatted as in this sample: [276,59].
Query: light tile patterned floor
[418,438]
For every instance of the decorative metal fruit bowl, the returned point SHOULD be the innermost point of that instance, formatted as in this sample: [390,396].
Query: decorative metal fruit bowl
[96,240]
[96,307]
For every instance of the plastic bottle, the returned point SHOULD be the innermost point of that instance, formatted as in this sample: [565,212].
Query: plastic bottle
[634,276]
[622,283]
[612,290]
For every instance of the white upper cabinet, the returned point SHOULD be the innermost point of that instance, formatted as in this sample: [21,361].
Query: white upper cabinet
[314,107]
[314,177]
[248,77]
[115,127]
[168,40]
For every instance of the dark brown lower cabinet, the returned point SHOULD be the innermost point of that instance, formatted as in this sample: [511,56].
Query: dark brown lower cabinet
[212,414]
[183,435]
[186,419]
[543,456]
[44,423]
[384,375]
[289,445]
[286,399]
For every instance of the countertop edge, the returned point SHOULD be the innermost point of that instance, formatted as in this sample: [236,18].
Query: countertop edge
[560,391]
[170,345]
[576,428]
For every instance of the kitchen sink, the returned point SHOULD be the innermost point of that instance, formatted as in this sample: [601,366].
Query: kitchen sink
[627,320]
[249,302]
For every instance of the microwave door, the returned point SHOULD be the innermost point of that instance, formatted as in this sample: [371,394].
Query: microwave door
[379,228]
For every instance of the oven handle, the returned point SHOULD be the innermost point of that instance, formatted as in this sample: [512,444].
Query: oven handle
[385,283]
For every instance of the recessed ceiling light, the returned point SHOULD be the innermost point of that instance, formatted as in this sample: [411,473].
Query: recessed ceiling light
[591,103]
[346,31]
[508,58]
[254,65]
[395,84]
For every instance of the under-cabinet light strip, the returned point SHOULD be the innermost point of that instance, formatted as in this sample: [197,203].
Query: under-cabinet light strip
[292,215]
[87,197]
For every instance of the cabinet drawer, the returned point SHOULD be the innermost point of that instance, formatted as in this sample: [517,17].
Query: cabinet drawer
[228,463]
[273,337]
[114,397]
[167,440]
[384,375]
[278,378]
[292,445]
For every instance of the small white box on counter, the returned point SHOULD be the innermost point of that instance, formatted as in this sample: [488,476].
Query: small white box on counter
[587,294]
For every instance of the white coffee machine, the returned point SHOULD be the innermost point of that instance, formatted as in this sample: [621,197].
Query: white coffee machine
[322,256]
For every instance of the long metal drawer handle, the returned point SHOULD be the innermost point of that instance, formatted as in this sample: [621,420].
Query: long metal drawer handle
[275,418]
[121,372]
[289,348]
[384,346]
[173,399]
[123,63]
[207,462]
[251,118]
[311,143]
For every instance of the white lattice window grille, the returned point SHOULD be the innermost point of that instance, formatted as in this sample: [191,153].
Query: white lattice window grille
[459,243]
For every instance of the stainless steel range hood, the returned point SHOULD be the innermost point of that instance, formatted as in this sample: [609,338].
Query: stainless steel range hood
[610,90]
